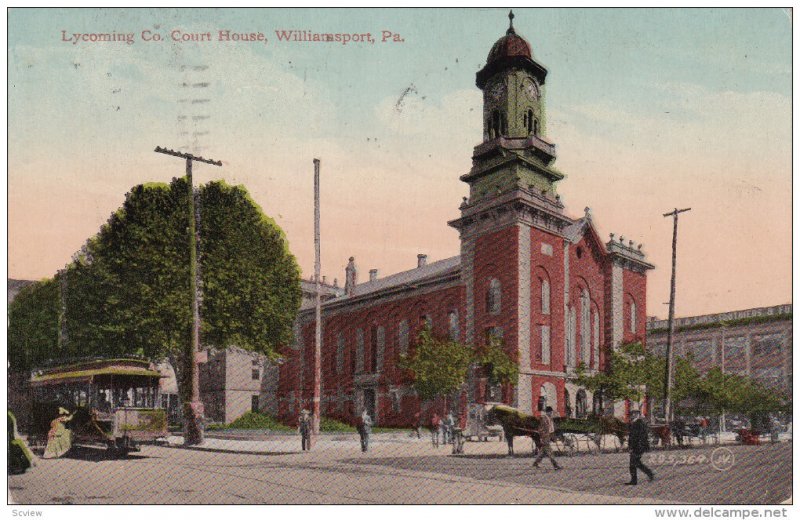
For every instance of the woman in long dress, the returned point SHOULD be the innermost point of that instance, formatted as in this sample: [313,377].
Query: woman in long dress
[59,438]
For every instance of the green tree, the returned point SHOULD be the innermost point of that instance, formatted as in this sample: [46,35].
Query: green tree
[127,291]
[33,322]
[438,366]
[502,370]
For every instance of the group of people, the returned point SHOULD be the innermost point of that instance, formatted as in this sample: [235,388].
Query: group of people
[443,428]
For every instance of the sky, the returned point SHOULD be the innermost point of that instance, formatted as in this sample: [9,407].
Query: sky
[650,109]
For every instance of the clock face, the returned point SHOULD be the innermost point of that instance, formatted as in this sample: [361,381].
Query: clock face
[531,89]
[496,91]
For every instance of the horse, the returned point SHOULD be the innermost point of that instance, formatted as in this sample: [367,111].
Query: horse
[515,424]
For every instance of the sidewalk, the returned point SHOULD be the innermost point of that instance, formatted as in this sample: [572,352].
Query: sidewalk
[260,442]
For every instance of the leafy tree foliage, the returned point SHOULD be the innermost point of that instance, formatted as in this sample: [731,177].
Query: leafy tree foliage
[502,370]
[635,373]
[439,366]
[33,321]
[128,290]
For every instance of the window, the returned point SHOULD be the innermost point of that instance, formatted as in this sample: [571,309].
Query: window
[633,317]
[596,338]
[493,297]
[536,127]
[452,321]
[373,348]
[395,401]
[545,295]
[359,350]
[701,350]
[494,332]
[402,336]
[529,121]
[256,370]
[544,331]
[585,326]
[254,404]
[571,336]
[767,345]
[735,348]
[340,346]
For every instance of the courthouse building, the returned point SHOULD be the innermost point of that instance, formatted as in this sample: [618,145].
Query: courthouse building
[527,272]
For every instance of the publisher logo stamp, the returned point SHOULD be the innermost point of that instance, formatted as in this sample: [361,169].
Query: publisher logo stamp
[722,459]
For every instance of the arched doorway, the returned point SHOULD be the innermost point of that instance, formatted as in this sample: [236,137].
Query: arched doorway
[597,403]
[580,404]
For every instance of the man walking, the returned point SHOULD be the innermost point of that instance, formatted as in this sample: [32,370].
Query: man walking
[546,430]
[638,445]
[364,429]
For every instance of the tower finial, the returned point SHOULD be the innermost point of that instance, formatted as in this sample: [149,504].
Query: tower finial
[510,21]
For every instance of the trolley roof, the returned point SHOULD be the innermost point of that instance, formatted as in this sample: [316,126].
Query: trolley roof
[86,371]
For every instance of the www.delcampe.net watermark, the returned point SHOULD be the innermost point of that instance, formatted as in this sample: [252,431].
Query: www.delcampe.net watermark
[721,459]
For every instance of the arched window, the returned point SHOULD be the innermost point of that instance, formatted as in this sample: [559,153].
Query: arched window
[529,121]
[452,322]
[633,316]
[493,297]
[585,326]
[567,405]
[545,295]
[571,336]
[536,127]
[595,339]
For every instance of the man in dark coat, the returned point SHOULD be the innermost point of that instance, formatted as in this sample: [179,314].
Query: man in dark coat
[638,445]
[304,425]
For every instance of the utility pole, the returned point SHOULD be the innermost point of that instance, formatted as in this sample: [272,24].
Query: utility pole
[318,310]
[671,329]
[193,408]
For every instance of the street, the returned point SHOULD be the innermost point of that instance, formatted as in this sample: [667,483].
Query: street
[401,473]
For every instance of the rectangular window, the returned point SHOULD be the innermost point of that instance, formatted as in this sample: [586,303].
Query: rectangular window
[766,346]
[545,297]
[452,318]
[373,349]
[340,346]
[380,350]
[545,334]
[254,404]
[359,350]
[256,374]
[402,336]
[701,350]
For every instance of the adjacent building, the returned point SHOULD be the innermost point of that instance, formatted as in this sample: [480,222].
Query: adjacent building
[755,342]
[542,281]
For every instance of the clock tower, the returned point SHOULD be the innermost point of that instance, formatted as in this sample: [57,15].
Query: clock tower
[512,213]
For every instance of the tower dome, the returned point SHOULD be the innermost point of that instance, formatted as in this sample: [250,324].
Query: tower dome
[511,50]
[510,45]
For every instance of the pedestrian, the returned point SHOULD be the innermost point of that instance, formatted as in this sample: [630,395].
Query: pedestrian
[435,420]
[546,430]
[59,438]
[364,429]
[417,425]
[638,445]
[678,427]
[449,426]
[304,427]
[704,428]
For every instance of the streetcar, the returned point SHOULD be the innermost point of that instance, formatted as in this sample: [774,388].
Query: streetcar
[113,403]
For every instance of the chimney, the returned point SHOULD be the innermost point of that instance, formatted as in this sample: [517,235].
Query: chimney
[373,275]
[350,277]
[422,260]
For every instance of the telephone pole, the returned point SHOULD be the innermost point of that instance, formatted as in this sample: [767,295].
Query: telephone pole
[318,310]
[671,329]
[192,408]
